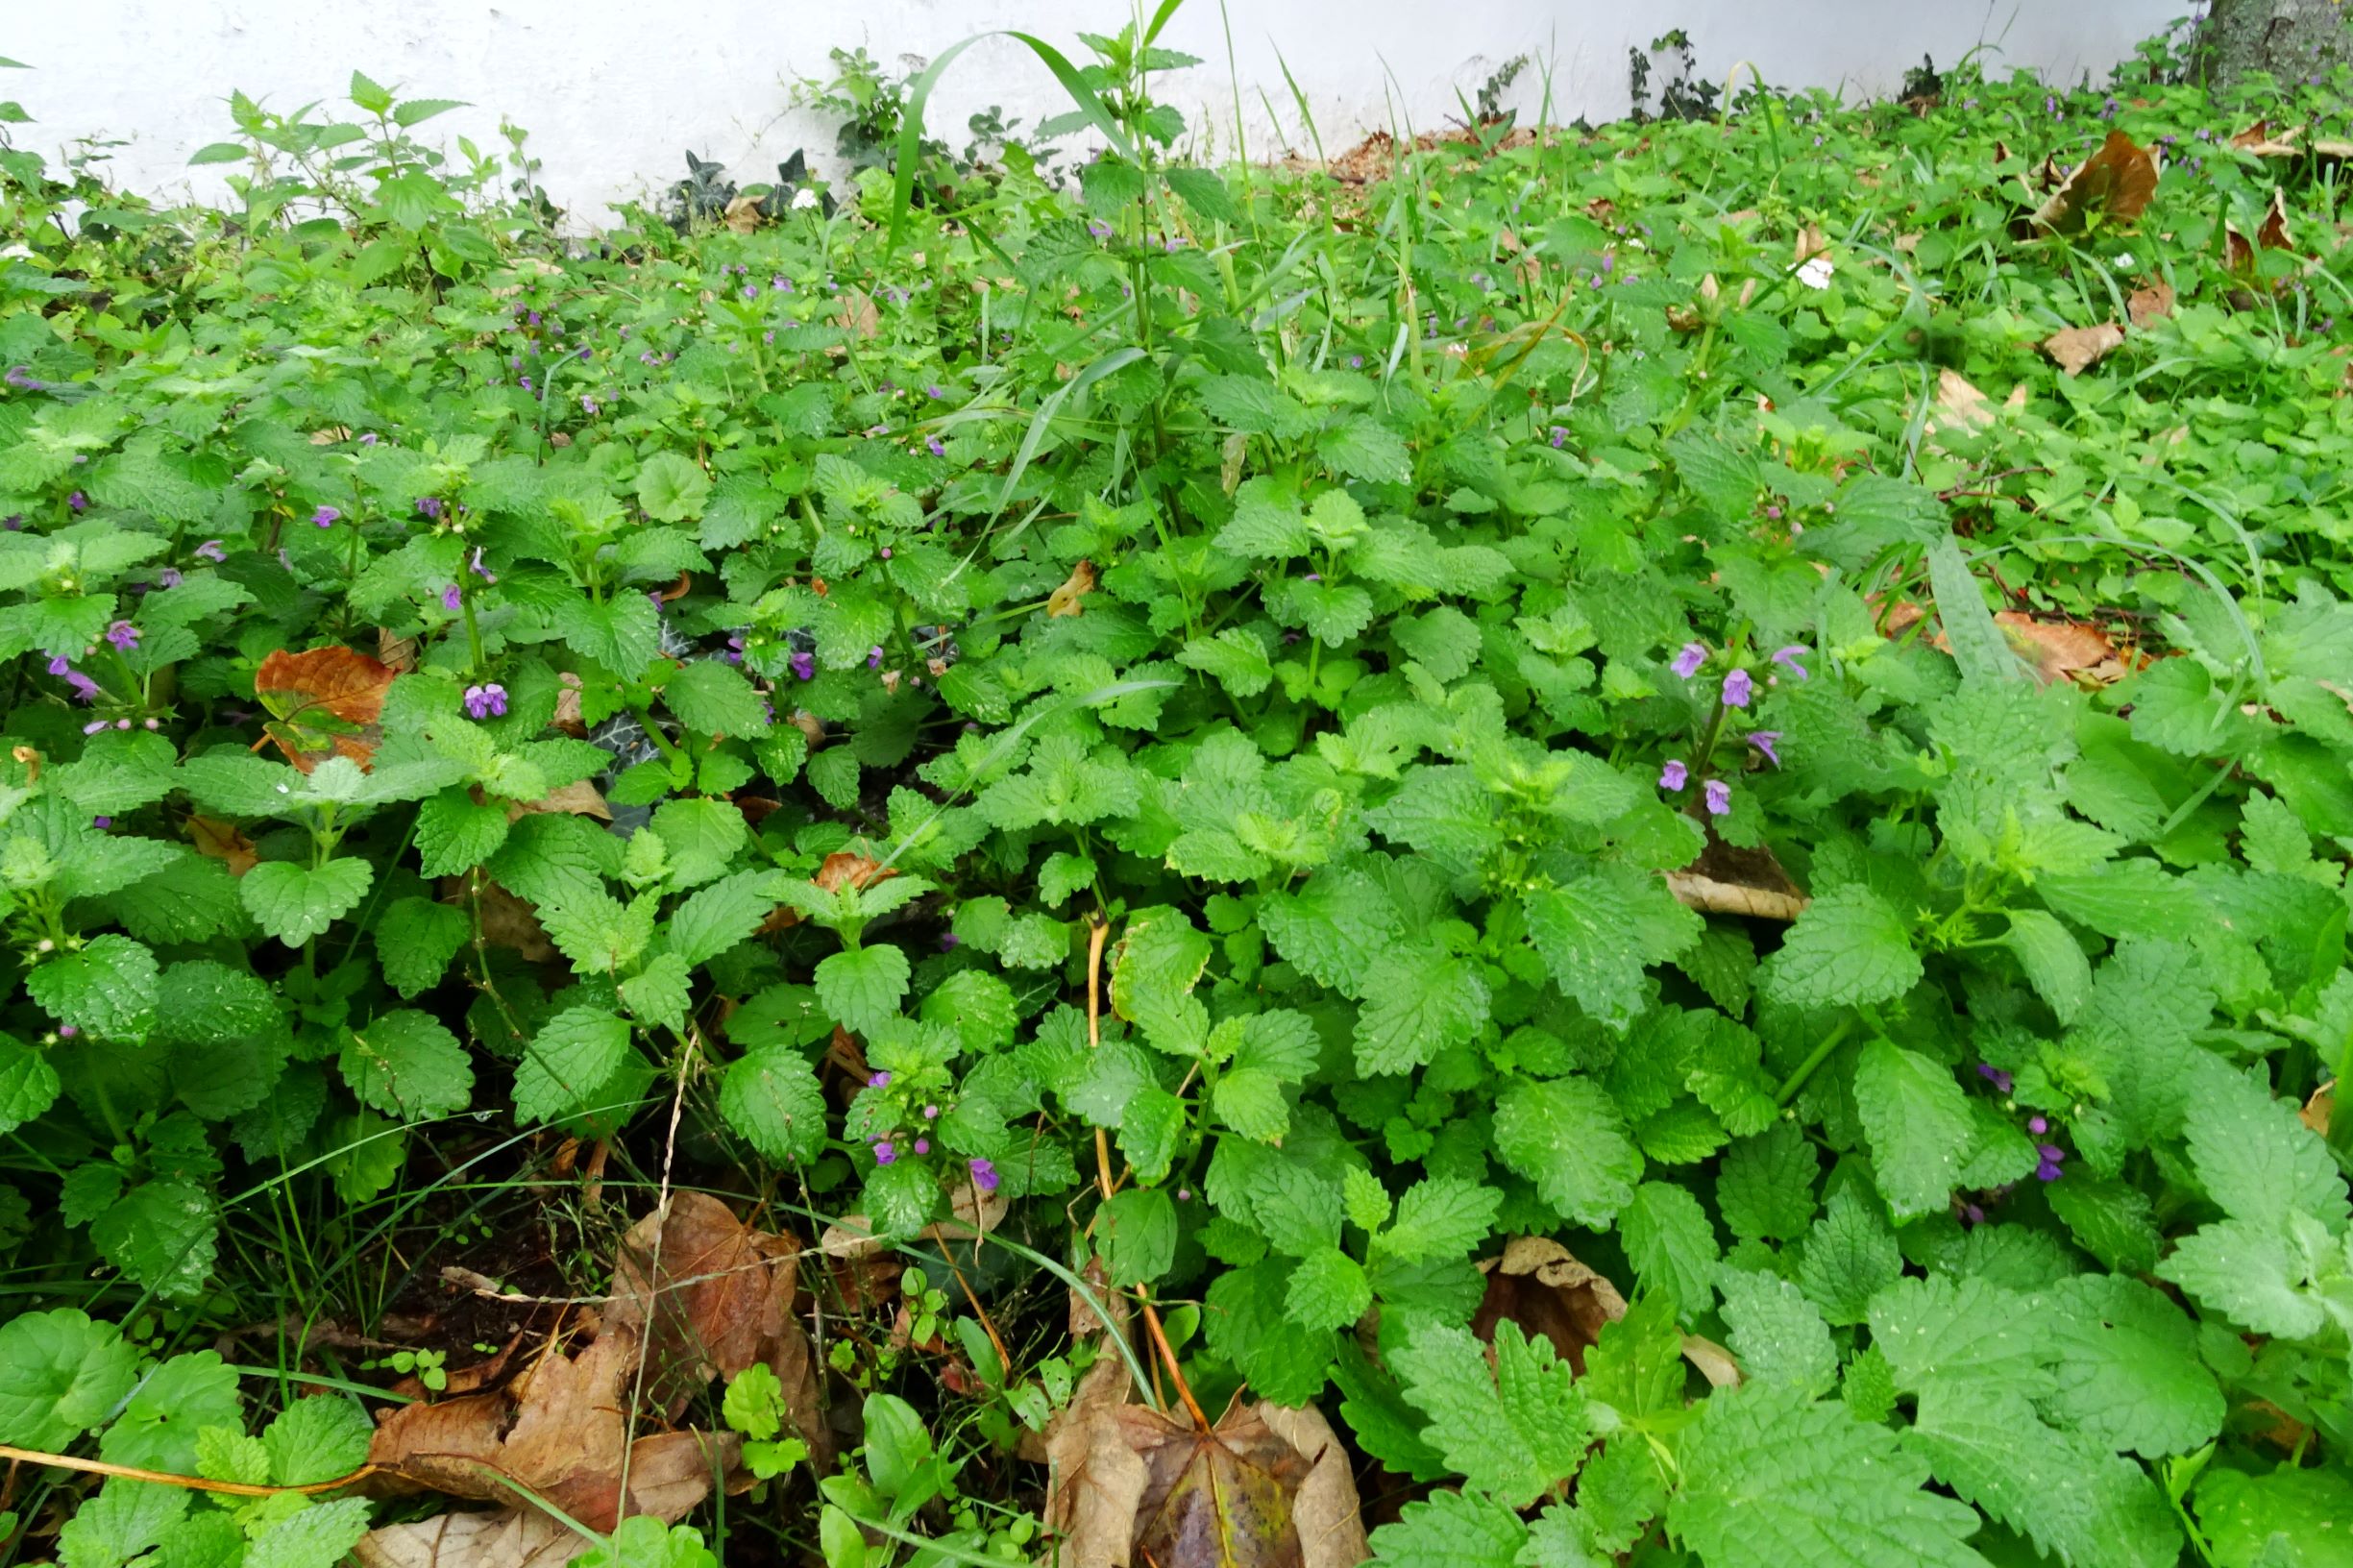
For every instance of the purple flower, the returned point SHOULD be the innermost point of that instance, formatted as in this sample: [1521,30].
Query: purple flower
[803,666]
[1762,740]
[588,404]
[95,725]
[1993,1075]
[85,690]
[1973,1214]
[210,550]
[1560,434]
[325,517]
[2050,1171]
[873,657]
[1719,795]
[68,1030]
[102,822]
[477,567]
[430,505]
[123,635]
[1356,362]
[1787,658]
[2051,1153]
[488,701]
[936,450]
[950,942]
[922,1145]
[170,577]
[369,439]
[1737,687]
[77,501]
[931,1113]
[933,392]
[452,600]
[884,1153]
[1099,228]
[752,291]
[880,1080]
[1674,775]
[781,285]
[1686,662]
[984,1175]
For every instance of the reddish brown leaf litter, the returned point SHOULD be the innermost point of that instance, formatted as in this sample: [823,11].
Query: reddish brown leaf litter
[324,703]
[2116,183]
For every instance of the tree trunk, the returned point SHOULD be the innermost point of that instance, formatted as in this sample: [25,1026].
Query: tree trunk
[2293,39]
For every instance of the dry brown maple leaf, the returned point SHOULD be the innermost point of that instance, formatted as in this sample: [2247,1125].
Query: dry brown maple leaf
[1729,880]
[2077,349]
[223,842]
[2152,301]
[559,1432]
[2116,182]
[324,702]
[846,868]
[505,1538]
[1065,599]
[710,1296]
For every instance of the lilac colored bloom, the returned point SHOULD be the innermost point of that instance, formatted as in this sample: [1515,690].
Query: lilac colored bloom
[873,657]
[102,822]
[525,382]
[170,577]
[123,635]
[210,550]
[922,1145]
[803,666]
[430,505]
[477,567]
[1993,1075]
[933,392]
[1315,577]
[15,521]
[884,1153]
[488,701]
[1356,362]
[936,450]
[1762,740]
[1787,658]
[884,552]
[781,285]
[1737,688]
[534,318]
[59,664]
[984,1175]
[879,1080]
[588,404]
[1686,663]
[1561,435]
[68,1030]
[752,291]
[1099,228]
[452,599]
[2038,1125]
[2050,1171]
[85,690]
[1674,775]
[1719,795]
[1973,1214]
[931,1113]
[950,942]
[2051,1153]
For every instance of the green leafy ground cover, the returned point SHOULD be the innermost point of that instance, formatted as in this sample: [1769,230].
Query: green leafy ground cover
[1344,601]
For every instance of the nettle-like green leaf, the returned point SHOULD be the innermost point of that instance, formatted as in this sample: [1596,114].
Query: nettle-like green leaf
[407,1065]
[1514,1430]
[576,1054]
[61,1375]
[1599,933]
[1918,1125]
[1568,1138]
[862,987]
[295,903]
[1850,946]
[107,990]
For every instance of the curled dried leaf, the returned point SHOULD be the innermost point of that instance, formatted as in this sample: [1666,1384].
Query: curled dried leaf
[223,842]
[2077,349]
[1065,599]
[324,702]
[1539,1285]
[1730,880]
[2151,302]
[2116,183]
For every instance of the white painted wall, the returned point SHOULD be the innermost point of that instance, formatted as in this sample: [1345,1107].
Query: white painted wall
[613,90]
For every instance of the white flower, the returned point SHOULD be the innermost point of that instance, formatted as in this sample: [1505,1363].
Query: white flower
[2125,261]
[1816,273]
[804,197]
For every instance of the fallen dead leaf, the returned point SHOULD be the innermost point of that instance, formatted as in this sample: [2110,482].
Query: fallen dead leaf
[1265,1487]
[1729,880]
[2316,1111]
[330,435]
[1811,242]
[743,214]
[2077,349]
[568,717]
[2116,182]
[858,315]
[223,842]
[1715,1362]
[398,655]
[506,921]
[2151,302]
[559,1431]
[2064,650]
[1961,406]
[846,867]
[1065,599]
[709,1296]
[324,702]
[1540,1285]
[578,798]
[507,1538]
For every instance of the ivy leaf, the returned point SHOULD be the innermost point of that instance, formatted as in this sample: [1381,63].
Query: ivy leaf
[1918,1125]
[1513,1431]
[1568,1138]
[861,987]
[1850,946]
[174,1402]
[1772,1478]
[295,903]
[406,1065]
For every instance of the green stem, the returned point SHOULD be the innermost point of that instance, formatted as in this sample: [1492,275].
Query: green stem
[1821,1053]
